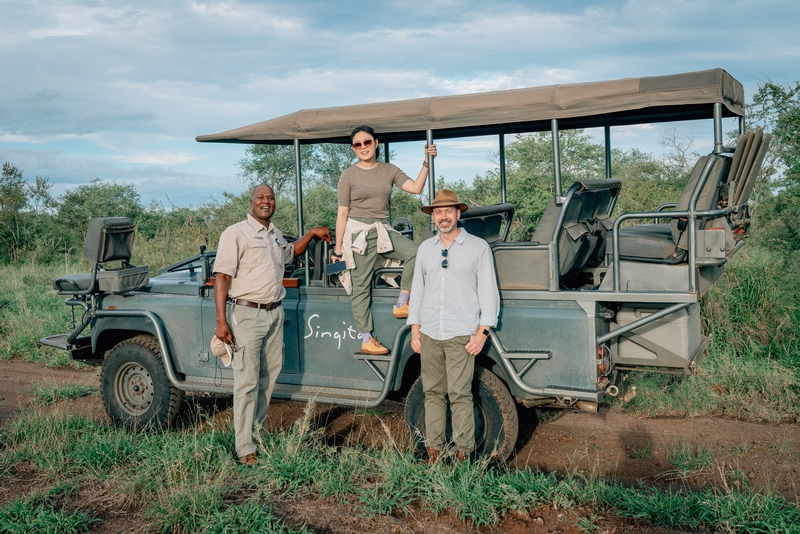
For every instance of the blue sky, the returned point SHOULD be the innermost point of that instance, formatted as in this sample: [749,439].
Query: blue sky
[119,90]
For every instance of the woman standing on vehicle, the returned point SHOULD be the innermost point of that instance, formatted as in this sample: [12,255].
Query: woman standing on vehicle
[363,231]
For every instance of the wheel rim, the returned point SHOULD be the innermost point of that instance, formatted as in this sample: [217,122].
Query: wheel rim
[133,387]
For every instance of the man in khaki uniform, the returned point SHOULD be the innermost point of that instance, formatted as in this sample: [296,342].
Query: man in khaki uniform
[249,272]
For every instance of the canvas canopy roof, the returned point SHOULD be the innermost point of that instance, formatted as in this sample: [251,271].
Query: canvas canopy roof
[651,99]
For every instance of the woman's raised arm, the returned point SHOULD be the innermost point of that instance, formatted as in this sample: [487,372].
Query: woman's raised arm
[415,187]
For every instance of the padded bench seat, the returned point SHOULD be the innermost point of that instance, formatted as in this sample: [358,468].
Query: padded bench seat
[651,243]
[72,282]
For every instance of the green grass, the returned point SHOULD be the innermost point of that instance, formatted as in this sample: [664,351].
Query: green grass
[644,452]
[753,370]
[31,310]
[686,458]
[49,393]
[21,517]
[188,480]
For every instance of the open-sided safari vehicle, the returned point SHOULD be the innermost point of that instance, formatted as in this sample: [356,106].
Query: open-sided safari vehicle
[583,303]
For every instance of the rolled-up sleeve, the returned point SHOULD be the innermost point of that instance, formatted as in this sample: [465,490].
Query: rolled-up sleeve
[417,294]
[488,295]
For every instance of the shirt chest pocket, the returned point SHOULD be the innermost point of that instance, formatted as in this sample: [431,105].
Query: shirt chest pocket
[257,252]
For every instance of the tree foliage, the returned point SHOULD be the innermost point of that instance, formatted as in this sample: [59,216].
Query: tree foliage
[35,225]
[22,206]
[777,108]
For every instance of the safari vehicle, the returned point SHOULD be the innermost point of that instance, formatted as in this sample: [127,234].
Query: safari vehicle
[586,301]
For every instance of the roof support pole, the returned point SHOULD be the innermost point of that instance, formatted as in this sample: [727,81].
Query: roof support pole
[741,125]
[431,175]
[299,187]
[607,131]
[386,159]
[556,161]
[502,166]
[717,128]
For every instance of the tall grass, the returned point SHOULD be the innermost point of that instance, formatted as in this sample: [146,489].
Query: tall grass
[753,368]
[30,310]
[188,481]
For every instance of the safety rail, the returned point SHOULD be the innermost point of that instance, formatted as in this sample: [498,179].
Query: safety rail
[692,214]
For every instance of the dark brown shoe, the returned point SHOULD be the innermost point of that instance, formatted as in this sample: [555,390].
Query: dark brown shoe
[433,454]
[249,459]
[460,456]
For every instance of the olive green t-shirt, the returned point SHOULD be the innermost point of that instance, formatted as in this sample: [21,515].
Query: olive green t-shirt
[367,193]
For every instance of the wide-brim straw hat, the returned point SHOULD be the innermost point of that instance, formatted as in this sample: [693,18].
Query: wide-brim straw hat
[222,350]
[445,198]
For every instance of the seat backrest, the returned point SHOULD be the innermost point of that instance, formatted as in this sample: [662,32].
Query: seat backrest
[582,235]
[109,239]
[746,178]
[709,195]
[320,261]
[490,223]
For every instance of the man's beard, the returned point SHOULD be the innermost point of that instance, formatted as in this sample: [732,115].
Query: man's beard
[451,227]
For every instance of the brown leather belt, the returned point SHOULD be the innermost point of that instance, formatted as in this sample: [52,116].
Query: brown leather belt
[268,306]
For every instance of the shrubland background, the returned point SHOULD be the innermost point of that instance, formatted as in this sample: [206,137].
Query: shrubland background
[753,371]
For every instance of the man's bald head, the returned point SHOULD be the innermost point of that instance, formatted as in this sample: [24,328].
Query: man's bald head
[262,202]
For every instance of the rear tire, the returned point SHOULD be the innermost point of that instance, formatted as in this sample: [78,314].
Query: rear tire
[136,389]
[496,419]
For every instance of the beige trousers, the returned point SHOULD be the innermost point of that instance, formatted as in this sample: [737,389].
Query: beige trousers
[256,364]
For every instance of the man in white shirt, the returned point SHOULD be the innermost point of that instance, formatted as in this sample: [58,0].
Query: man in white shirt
[454,302]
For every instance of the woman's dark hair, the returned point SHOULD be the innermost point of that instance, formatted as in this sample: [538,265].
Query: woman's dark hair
[369,130]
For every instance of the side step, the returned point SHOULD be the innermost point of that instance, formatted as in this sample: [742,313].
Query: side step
[295,392]
[81,348]
[60,342]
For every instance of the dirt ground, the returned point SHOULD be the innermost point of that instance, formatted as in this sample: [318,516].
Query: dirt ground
[609,444]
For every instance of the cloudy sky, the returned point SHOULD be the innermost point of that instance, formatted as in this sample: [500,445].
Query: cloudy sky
[119,90]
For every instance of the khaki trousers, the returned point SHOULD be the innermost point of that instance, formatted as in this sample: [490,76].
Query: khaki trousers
[256,364]
[361,277]
[447,370]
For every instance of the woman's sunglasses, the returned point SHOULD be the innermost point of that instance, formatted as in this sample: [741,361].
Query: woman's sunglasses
[366,144]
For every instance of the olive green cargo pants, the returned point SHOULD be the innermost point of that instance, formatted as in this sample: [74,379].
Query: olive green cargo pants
[361,277]
[447,369]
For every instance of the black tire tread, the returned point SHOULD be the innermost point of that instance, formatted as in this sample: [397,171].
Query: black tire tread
[166,416]
[504,400]
[509,408]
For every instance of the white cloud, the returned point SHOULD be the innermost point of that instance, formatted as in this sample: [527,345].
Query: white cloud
[159,159]
[99,88]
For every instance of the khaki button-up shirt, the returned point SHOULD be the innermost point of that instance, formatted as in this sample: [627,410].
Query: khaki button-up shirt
[254,257]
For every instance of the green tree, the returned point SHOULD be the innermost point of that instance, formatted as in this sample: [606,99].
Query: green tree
[777,109]
[22,211]
[273,165]
[79,206]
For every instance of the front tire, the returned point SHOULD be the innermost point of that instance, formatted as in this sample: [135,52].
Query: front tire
[136,389]
[496,419]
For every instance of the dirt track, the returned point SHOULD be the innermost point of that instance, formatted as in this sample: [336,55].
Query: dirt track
[610,444]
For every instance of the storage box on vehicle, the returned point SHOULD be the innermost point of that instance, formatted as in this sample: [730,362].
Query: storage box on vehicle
[678,333]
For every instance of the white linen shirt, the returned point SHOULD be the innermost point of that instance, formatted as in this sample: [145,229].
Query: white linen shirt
[254,257]
[454,301]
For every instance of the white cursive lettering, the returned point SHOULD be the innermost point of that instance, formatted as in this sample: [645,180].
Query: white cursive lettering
[348,332]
